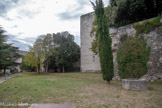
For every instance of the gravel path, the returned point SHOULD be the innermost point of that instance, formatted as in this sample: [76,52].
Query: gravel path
[2,78]
[65,105]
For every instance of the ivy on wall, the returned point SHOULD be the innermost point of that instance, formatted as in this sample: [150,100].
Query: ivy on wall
[123,12]
[94,45]
[146,26]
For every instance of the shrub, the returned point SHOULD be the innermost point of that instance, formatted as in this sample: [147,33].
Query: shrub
[132,58]
[147,26]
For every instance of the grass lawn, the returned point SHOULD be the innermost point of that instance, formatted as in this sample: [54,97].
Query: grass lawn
[82,90]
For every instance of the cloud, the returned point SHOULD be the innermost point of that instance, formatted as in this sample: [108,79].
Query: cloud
[28,13]
[22,43]
[68,16]
[27,19]
[74,12]
[77,39]
[18,9]
[7,5]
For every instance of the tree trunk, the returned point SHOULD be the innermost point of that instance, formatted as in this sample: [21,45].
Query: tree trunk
[38,64]
[4,70]
[46,68]
[38,69]
[108,82]
[63,69]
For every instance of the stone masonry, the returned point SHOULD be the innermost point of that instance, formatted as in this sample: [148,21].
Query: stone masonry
[90,62]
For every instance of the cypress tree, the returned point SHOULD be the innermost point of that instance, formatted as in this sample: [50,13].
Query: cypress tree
[104,42]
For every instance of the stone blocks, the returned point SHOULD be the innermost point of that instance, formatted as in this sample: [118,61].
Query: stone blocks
[134,84]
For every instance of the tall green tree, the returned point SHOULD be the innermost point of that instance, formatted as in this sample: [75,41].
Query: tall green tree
[2,44]
[36,56]
[104,42]
[8,53]
[8,57]
[30,59]
[49,50]
[68,50]
[39,53]
[2,36]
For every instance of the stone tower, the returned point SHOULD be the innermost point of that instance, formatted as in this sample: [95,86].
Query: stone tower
[89,61]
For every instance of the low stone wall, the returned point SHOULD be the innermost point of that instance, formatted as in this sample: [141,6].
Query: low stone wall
[154,41]
[90,62]
[134,84]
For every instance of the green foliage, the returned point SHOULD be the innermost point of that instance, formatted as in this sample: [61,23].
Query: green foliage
[151,88]
[103,41]
[94,46]
[35,57]
[132,58]
[53,51]
[2,36]
[68,50]
[23,66]
[30,59]
[8,53]
[125,12]
[147,26]
[13,70]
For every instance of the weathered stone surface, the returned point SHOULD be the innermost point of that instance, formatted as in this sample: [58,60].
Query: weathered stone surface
[134,84]
[90,62]
[152,77]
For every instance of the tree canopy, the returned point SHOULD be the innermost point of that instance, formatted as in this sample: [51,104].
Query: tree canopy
[56,51]
[124,12]
[8,53]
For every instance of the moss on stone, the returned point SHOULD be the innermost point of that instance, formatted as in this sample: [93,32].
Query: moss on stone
[146,26]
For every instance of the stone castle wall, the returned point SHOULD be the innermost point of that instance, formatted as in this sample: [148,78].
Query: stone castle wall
[90,62]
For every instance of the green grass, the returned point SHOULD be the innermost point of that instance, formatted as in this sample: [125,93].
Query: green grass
[82,90]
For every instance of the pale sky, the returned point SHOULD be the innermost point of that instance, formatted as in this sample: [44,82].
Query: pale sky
[24,20]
